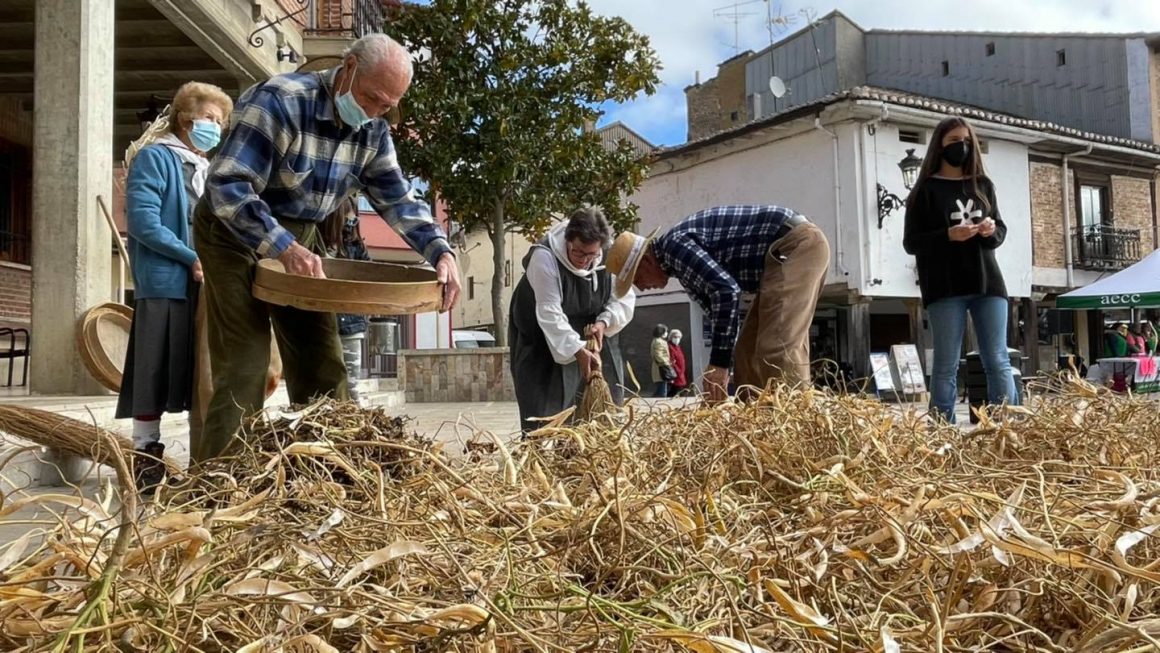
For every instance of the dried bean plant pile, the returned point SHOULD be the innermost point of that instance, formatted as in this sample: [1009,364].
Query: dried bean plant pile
[802,522]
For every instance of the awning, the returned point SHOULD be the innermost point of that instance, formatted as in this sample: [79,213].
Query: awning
[1137,286]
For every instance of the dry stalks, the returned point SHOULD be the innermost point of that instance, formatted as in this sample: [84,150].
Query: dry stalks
[800,522]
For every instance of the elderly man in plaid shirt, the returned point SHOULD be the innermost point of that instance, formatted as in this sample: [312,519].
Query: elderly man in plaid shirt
[721,253]
[300,144]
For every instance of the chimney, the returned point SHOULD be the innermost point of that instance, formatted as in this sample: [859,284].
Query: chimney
[697,78]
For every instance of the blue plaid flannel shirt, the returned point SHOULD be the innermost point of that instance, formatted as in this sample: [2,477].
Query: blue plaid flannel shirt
[718,254]
[288,155]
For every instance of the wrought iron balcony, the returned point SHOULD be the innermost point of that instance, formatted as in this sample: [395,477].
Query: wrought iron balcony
[349,18]
[1100,247]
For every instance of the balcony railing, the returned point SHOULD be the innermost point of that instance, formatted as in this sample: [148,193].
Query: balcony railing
[1100,247]
[348,18]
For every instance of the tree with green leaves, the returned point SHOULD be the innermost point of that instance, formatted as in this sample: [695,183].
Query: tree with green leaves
[495,119]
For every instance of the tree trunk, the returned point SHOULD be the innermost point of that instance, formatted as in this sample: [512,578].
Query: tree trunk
[498,259]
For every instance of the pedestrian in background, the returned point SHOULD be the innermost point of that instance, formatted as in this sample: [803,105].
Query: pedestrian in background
[344,241]
[953,228]
[677,356]
[662,363]
[165,181]
[1150,338]
[1137,345]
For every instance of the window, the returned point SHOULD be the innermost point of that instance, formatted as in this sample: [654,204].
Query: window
[1061,57]
[1093,205]
[946,69]
[15,203]
[733,116]
[991,49]
[915,137]
[471,287]
[364,205]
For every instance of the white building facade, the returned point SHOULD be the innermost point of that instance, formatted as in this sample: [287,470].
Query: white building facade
[827,160]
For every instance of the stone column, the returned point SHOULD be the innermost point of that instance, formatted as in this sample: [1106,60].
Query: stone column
[72,165]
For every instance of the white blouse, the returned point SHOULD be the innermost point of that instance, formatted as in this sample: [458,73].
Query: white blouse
[544,277]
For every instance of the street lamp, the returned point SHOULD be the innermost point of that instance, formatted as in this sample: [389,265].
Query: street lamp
[910,165]
[889,202]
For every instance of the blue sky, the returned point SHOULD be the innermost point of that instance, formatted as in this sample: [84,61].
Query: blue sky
[688,37]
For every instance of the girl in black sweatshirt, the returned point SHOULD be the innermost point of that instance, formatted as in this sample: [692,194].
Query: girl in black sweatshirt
[953,227]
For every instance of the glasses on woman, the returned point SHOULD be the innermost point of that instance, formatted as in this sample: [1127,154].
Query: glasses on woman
[577,253]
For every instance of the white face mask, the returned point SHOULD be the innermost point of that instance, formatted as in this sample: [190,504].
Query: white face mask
[676,341]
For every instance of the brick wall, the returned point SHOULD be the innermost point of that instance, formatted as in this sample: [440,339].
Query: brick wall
[1047,244]
[703,109]
[731,92]
[1132,208]
[456,375]
[15,293]
[286,7]
[713,105]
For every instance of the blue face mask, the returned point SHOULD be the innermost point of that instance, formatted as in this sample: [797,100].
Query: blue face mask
[348,109]
[205,135]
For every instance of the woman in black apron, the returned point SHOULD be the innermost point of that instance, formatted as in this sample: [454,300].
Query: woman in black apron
[565,294]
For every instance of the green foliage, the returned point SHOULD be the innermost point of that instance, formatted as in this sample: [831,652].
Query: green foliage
[495,115]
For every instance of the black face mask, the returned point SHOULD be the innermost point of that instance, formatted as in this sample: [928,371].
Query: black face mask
[957,153]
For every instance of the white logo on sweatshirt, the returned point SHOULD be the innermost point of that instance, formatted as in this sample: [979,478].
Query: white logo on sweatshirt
[966,211]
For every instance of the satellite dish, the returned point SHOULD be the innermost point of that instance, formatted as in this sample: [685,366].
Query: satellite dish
[776,86]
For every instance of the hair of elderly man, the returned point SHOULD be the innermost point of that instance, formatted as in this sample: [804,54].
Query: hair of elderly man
[588,225]
[192,97]
[378,49]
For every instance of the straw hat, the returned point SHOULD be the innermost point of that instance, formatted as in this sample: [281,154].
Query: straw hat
[624,257]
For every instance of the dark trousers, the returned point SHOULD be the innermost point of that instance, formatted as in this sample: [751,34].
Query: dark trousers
[239,336]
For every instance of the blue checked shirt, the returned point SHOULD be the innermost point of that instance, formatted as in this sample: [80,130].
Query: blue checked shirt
[718,254]
[288,156]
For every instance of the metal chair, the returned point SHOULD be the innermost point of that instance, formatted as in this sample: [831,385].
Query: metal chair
[14,351]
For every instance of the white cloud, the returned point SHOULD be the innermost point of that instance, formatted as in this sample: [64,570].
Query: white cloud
[689,38]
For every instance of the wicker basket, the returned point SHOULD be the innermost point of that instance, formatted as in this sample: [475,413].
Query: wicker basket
[103,340]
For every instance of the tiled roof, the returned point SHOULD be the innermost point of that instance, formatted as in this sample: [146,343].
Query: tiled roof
[901,98]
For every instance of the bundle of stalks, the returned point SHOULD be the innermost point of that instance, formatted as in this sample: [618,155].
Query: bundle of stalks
[802,521]
[67,435]
[596,402]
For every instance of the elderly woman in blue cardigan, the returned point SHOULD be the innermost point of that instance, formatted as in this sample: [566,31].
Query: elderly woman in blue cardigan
[165,181]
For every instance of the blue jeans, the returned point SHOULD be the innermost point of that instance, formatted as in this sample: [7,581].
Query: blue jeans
[662,389]
[948,321]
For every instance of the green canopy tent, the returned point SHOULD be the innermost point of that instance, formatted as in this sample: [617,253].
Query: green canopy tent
[1137,286]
